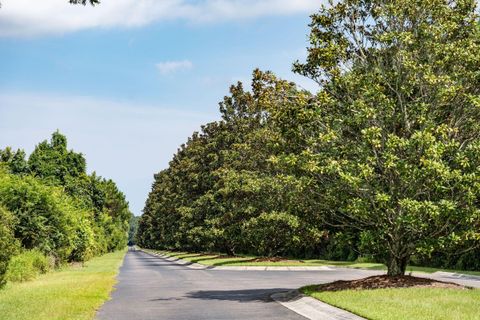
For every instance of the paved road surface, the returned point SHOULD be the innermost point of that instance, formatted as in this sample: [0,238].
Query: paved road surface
[153,288]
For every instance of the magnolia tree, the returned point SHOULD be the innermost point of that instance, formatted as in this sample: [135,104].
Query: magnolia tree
[395,148]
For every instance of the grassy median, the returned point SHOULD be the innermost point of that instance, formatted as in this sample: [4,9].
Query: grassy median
[405,303]
[213,259]
[74,292]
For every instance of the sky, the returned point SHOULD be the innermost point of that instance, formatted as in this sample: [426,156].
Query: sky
[128,81]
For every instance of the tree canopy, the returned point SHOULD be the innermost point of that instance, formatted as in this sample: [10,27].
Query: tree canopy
[383,161]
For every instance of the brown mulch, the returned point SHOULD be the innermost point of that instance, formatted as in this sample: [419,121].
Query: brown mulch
[225,256]
[384,281]
[268,259]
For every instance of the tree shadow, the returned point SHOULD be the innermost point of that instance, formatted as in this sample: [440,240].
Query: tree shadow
[163,264]
[248,295]
[234,262]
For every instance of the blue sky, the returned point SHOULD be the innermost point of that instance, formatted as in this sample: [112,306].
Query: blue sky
[128,81]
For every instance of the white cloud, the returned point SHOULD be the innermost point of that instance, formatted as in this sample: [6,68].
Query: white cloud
[31,18]
[167,67]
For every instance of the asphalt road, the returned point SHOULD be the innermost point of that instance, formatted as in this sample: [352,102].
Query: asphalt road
[153,288]
[150,287]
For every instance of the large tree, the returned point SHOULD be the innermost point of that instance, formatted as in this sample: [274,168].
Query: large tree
[396,150]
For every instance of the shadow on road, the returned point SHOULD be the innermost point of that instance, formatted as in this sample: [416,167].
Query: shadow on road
[261,295]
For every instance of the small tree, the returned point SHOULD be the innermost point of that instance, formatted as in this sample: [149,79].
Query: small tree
[53,162]
[397,140]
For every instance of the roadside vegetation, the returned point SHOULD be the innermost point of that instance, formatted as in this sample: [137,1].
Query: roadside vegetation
[54,213]
[219,259]
[73,292]
[380,164]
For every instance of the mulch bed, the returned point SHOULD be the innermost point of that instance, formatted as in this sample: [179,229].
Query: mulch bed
[384,281]
[268,259]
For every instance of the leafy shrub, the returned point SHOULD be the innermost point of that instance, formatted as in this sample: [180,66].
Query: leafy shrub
[84,241]
[28,265]
[57,207]
[272,233]
[43,220]
[340,246]
[8,244]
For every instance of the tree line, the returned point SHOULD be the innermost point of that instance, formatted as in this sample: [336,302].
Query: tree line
[48,202]
[381,162]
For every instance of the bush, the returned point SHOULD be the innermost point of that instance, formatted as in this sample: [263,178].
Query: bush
[8,244]
[44,218]
[28,265]
[272,233]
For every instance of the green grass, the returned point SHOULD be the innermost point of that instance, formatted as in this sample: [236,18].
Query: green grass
[71,293]
[245,260]
[410,303]
[215,259]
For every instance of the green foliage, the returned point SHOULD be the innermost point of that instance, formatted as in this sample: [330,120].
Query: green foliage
[222,190]
[14,160]
[54,163]
[57,208]
[383,161]
[272,233]
[28,265]
[132,231]
[397,152]
[44,217]
[8,244]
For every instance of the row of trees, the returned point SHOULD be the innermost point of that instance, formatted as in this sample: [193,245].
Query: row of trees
[48,202]
[382,161]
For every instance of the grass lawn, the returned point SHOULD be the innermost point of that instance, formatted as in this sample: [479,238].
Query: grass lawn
[244,260]
[71,293]
[221,260]
[405,303]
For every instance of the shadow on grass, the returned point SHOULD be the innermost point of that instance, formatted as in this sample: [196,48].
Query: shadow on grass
[204,258]
[184,256]
[233,262]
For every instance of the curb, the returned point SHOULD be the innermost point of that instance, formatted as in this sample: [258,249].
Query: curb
[187,264]
[311,308]
[456,275]
[197,266]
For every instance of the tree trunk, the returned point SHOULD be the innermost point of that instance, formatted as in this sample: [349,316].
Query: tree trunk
[397,266]
[230,250]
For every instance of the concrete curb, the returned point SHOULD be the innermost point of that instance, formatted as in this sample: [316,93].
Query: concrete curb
[187,264]
[198,266]
[311,308]
[454,275]
[451,275]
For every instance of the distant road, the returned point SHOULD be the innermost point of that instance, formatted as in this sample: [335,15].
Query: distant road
[153,288]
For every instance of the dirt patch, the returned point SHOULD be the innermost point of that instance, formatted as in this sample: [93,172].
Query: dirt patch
[383,282]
